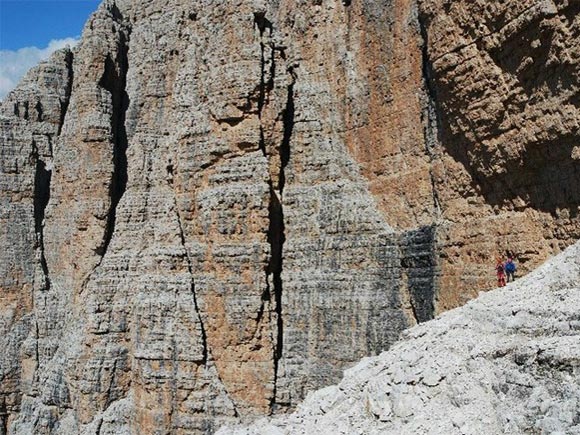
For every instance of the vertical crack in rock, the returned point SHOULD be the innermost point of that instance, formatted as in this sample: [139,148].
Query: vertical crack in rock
[288,128]
[430,114]
[114,81]
[36,339]
[276,230]
[43,173]
[39,112]
[264,87]
[109,392]
[98,428]
[192,280]
[65,102]
[42,177]
[276,236]
[263,24]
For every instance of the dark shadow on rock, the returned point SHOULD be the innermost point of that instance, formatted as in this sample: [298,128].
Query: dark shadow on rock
[542,174]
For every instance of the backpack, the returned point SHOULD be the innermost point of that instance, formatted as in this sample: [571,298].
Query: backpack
[510,266]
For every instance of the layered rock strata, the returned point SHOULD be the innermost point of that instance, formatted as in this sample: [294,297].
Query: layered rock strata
[211,209]
[507,362]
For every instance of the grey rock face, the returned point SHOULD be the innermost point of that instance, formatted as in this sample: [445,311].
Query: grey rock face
[507,362]
[210,209]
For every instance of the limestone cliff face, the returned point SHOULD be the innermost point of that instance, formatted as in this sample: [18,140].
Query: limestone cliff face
[211,208]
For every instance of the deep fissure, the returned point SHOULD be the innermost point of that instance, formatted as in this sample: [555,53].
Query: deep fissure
[419,265]
[263,24]
[264,87]
[42,178]
[115,82]
[430,113]
[288,128]
[276,230]
[65,102]
[276,234]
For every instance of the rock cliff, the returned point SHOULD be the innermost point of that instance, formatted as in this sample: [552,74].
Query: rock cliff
[211,208]
[507,362]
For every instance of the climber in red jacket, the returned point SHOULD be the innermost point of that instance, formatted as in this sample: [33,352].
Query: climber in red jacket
[499,269]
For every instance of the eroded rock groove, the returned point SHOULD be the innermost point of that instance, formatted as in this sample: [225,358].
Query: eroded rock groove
[205,351]
[430,113]
[65,102]
[276,232]
[115,82]
[42,177]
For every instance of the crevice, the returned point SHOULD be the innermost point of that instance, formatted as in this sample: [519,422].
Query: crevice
[110,386]
[205,351]
[114,81]
[264,87]
[42,177]
[288,128]
[39,112]
[36,338]
[276,238]
[65,102]
[430,115]
[263,24]
[408,303]
[266,297]
[262,143]
[276,230]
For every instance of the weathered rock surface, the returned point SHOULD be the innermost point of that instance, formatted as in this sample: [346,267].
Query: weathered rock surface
[507,362]
[210,209]
[505,82]
[31,121]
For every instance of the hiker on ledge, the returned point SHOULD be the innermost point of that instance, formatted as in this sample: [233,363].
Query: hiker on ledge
[510,269]
[500,273]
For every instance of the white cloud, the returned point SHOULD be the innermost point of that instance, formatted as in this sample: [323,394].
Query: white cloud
[14,64]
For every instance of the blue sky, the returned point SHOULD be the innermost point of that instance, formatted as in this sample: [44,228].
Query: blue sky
[30,30]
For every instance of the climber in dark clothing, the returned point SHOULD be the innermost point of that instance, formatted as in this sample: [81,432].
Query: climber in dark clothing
[510,269]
